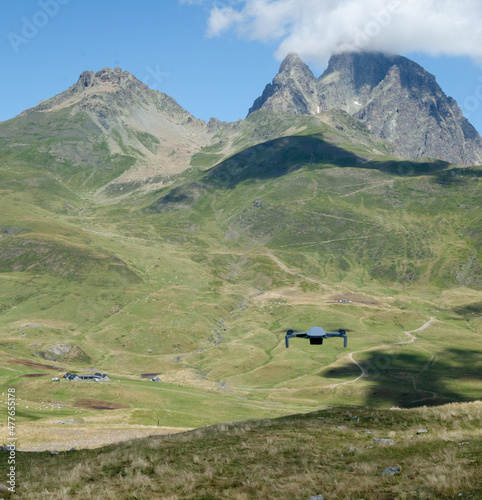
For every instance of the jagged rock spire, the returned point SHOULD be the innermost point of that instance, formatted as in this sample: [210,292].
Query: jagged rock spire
[293,89]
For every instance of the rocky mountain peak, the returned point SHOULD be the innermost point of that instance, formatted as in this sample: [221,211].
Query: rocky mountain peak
[394,96]
[292,65]
[105,76]
[109,80]
[360,69]
[93,87]
[292,91]
[350,78]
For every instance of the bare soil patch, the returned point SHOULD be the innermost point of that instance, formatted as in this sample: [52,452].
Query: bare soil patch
[33,375]
[33,364]
[357,297]
[292,295]
[42,437]
[94,404]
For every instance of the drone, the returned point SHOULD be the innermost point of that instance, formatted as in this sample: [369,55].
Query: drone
[316,334]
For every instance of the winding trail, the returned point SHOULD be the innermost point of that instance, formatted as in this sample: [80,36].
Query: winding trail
[286,269]
[411,339]
[351,355]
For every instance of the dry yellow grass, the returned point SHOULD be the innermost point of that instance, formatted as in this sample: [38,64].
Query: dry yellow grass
[327,452]
[42,437]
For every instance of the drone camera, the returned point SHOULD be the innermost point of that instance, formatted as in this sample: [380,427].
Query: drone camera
[316,341]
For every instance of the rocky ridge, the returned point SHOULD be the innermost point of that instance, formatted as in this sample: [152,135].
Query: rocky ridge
[114,134]
[393,96]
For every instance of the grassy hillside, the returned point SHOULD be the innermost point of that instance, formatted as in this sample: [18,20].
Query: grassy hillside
[198,281]
[333,452]
[66,146]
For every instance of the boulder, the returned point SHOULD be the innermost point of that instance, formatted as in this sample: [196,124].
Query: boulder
[391,471]
[383,441]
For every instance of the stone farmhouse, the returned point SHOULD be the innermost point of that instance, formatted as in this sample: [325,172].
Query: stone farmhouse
[96,377]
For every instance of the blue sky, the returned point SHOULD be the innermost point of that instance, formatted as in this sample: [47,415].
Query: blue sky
[46,44]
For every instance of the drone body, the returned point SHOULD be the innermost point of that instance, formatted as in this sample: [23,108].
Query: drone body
[316,334]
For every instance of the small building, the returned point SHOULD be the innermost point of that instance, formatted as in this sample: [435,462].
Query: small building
[102,376]
[97,377]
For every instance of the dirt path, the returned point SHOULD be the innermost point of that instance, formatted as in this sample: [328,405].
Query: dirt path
[286,269]
[343,218]
[114,235]
[363,373]
[331,241]
[367,187]
[412,339]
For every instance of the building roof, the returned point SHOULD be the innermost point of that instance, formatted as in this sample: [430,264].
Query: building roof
[73,376]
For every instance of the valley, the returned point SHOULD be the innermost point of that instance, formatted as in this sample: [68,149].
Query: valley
[202,295]
[138,241]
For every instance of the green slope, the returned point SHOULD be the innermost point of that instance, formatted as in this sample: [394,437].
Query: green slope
[199,281]
[64,146]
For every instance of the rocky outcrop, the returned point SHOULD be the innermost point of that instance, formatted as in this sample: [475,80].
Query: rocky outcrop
[65,353]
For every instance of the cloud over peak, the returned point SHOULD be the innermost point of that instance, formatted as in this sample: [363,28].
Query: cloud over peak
[315,29]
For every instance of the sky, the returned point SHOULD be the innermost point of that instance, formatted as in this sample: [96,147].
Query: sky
[215,56]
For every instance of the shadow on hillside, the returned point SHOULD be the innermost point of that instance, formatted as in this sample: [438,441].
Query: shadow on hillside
[411,380]
[276,158]
[281,156]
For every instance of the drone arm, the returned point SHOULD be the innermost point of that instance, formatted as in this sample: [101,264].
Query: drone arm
[290,334]
[340,333]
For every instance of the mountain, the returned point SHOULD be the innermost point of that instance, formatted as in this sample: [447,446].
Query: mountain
[393,96]
[138,240]
[107,127]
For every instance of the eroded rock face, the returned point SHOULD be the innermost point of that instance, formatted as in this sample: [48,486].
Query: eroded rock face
[293,89]
[395,97]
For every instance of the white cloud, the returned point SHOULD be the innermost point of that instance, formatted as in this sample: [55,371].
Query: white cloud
[221,19]
[317,28]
